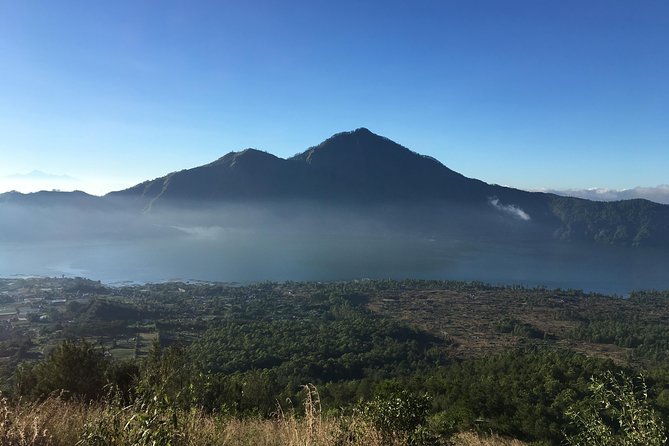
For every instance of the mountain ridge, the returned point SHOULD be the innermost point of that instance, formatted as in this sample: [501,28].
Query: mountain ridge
[357,165]
[360,169]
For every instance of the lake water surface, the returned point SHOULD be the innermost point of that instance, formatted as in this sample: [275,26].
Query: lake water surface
[250,257]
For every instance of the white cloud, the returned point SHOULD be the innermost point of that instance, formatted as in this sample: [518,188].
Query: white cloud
[658,194]
[39,175]
[510,209]
[203,232]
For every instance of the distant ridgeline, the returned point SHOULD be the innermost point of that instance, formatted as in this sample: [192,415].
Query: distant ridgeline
[372,175]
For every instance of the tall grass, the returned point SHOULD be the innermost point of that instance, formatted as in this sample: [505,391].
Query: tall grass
[51,422]
[60,422]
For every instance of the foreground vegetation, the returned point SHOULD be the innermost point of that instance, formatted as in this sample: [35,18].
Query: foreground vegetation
[59,422]
[614,414]
[411,362]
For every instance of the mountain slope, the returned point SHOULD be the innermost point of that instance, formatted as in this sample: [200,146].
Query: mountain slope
[363,165]
[75,199]
[373,176]
[237,176]
[360,168]
[635,222]
[356,166]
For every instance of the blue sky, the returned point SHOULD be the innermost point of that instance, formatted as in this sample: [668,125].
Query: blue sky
[532,94]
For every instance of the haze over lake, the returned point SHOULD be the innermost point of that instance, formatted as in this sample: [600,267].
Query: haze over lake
[357,205]
[252,256]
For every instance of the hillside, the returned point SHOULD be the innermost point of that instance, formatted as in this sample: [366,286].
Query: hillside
[360,168]
[512,358]
[356,166]
[373,177]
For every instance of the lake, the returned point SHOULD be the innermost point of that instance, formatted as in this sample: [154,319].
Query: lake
[258,256]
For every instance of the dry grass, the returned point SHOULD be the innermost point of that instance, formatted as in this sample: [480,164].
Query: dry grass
[57,422]
[52,422]
[471,439]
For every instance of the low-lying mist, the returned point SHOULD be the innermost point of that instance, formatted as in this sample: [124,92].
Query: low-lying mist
[307,241]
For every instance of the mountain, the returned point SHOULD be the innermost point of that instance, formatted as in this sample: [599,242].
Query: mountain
[77,199]
[237,176]
[658,194]
[366,172]
[349,167]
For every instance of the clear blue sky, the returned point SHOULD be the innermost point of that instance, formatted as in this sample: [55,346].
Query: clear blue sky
[533,94]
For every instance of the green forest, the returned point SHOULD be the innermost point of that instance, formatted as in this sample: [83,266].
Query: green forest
[422,360]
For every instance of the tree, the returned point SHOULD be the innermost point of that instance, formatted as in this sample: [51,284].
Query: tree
[76,367]
[616,413]
[397,411]
[172,376]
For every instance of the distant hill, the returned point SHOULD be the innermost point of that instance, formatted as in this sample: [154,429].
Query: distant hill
[658,194]
[77,199]
[360,170]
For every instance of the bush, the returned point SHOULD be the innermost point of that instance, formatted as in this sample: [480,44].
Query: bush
[399,413]
[75,367]
[616,413]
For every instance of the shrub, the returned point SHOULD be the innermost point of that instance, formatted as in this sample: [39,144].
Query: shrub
[616,413]
[399,413]
[75,367]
